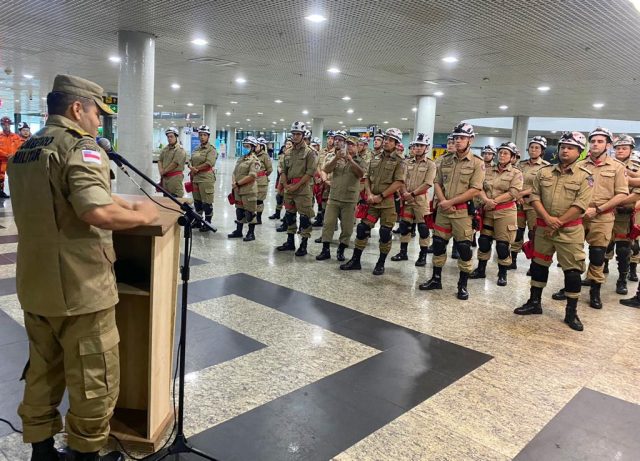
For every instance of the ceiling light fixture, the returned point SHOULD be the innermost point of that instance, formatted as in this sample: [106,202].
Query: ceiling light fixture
[115,58]
[333,70]
[386,122]
[438,93]
[28,76]
[233,102]
[503,107]
[227,113]
[260,113]
[248,120]
[636,3]
[341,122]
[282,120]
[241,80]
[544,88]
[305,112]
[190,104]
[598,105]
[430,82]
[175,86]
[346,98]
[404,119]
[414,109]
[349,111]
[199,41]
[359,119]
[278,101]
[450,59]
[317,18]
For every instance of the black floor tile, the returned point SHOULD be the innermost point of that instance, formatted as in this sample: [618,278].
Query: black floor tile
[7,258]
[194,261]
[8,238]
[591,427]
[14,357]
[8,286]
[10,330]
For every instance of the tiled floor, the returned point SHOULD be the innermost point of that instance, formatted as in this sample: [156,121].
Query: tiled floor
[293,359]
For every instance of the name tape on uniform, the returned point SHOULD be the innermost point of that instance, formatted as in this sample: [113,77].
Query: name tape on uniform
[91,156]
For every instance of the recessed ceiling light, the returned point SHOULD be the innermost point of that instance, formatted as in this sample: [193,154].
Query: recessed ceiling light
[115,58]
[237,122]
[275,123]
[340,122]
[278,101]
[44,99]
[160,105]
[554,132]
[404,118]
[194,113]
[496,131]
[190,104]
[438,93]
[346,98]
[414,109]
[315,18]
[227,125]
[430,82]
[359,119]
[227,113]
[241,80]
[503,107]
[175,86]
[598,105]
[349,111]
[260,113]
[199,41]
[386,122]
[282,120]
[28,76]
[544,88]
[248,120]
[305,112]
[233,102]
[450,59]
[333,70]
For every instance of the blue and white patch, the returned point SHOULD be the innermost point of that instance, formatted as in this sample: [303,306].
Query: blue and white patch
[91,156]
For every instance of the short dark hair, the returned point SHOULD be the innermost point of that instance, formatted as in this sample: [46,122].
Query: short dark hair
[58,103]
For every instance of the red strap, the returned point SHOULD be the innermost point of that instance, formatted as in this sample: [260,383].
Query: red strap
[262,173]
[460,206]
[172,173]
[373,219]
[441,229]
[407,215]
[362,180]
[294,180]
[541,256]
[621,236]
[521,214]
[288,206]
[503,206]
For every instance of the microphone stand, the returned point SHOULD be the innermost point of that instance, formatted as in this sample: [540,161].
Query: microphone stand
[180,443]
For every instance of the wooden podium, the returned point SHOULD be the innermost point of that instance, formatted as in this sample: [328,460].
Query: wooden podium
[147,275]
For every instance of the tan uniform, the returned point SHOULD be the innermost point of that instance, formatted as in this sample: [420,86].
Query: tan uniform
[420,172]
[322,161]
[526,214]
[344,195]
[500,224]
[456,176]
[266,168]
[299,161]
[558,191]
[66,285]
[384,170]
[246,196]
[623,220]
[172,179]
[204,157]
[609,179]
[279,186]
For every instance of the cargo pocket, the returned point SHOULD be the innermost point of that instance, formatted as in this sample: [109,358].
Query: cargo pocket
[100,364]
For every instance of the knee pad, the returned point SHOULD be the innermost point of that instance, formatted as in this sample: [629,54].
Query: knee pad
[623,250]
[403,227]
[363,231]
[597,255]
[572,282]
[464,250]
[520,234]
[249,215]
[239,214]
[279,199]
[539,273]
[385,234]
[439,246]
[304,222]
[290,218]
[503,249]
[611,245]
[260,202]
[484,243]
[423,230]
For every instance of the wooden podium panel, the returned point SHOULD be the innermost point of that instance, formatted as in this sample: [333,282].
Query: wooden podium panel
[147,274]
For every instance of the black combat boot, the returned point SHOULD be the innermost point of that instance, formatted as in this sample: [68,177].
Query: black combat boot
[454,251]
[379,269]
[502,275]
[632,302]
[95,456]
[354,263]
[594,296]
[422,257]
[430,249]
[621,284]
[275,215]
[282,227]
[325,254]
[402,255]
[559,295]
[250,235]
[463,294]
[435,282]
[302,249]
[236,234]
[259,217]
[340,254]
[571,315]
[633,275]
[319,219]
[533,305]
[514,261]
[479,272]
[289,245]
[586,282]
[45,451]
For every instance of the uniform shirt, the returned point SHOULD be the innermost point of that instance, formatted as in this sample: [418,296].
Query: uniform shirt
[266,167]
[9,144]
[633,166]
[65,266]
[509,180]
[345,185]
[559,190]
[298,162]
[457,175]
[384,170]
[529,172]
[249,165]
[609,179]
[420,172]
[173,154]
[204,154]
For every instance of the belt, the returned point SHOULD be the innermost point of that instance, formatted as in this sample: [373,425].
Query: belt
[460,206]
[262,173]
[294,180]
[574,223]
[503,206]
[207,169]
[362,180]
[171,174]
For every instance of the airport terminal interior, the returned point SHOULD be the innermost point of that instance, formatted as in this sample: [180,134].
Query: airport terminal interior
[289,357]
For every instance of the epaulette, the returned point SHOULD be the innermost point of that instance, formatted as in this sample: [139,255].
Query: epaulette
[545,163]
[621,163]
[479,158]
[586,170]
[78,133]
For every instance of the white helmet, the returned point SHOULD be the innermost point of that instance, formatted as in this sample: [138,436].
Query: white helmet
[625,140]
[173,130]
[421,140]
[488,149]
[511,147]
[463,129]
[601,132]
[379,134]
[262,141]
[307,134]
[539,140]
[340,134]
[250,140]
[298,127]
[22,125]
[316,141]
[204,129]
[573,138]
[393,133]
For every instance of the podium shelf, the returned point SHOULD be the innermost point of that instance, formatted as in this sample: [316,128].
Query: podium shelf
[128,289]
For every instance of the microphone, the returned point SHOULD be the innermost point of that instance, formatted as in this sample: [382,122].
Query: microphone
[106,146]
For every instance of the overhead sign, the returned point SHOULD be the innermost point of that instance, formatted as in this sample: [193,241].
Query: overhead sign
[112,102]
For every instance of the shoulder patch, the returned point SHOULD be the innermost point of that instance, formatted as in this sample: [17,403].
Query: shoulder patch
[91,156]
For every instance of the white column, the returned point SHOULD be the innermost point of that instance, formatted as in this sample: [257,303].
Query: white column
[231,146]
[185,139]
[426,116]
[519,133]
[317,127]
[135,104]
[210,117]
